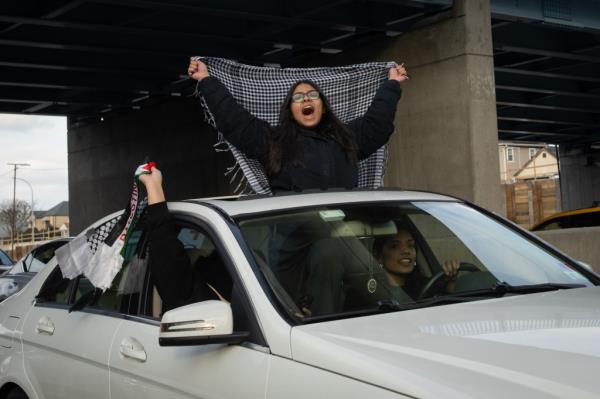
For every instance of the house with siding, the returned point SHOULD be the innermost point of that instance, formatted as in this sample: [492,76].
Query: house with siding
[528,160]
[54,218]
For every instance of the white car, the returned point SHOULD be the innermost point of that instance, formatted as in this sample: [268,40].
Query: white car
[5,262]
[22,271]
[324,301]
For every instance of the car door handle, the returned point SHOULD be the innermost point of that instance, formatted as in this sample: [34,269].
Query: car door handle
[45,326]
[133,349]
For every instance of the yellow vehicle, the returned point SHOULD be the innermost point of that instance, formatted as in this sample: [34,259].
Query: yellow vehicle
[585,217]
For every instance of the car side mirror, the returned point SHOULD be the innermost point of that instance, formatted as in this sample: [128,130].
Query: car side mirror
[202,323]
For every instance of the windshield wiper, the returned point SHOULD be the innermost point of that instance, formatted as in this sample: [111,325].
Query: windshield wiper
[502,288]
[496,291]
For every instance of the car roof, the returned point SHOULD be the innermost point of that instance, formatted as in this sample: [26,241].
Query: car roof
[236,206]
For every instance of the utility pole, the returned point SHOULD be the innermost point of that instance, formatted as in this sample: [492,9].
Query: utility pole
[32,216]
[14,213]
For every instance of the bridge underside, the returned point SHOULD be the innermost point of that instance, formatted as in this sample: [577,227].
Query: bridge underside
[116,69]
[88,59]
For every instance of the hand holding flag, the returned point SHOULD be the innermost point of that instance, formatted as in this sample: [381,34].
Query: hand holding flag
[102,265]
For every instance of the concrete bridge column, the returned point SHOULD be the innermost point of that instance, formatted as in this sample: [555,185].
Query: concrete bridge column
[447,134]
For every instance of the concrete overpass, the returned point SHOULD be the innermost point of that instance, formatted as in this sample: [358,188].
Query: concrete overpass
[481,71]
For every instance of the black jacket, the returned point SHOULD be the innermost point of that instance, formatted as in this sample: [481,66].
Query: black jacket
[324,162]
[177,280]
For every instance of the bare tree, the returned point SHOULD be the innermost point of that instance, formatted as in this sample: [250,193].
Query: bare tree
[22,213]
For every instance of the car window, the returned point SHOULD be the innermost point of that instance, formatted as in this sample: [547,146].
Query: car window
[5,259]
[122,297]
[8,287]
[38,258]
[212,279]
[56,289]
[550,225]
[124,294]
[443,243]
[586,220]
[208,270]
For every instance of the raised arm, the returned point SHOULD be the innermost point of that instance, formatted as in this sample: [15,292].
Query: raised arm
[246,132]
[375,127]
[171,269]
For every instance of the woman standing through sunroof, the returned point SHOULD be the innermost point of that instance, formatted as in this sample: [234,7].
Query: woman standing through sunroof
[310,148]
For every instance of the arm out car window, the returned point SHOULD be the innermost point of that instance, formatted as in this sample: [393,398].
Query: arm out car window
[207,267]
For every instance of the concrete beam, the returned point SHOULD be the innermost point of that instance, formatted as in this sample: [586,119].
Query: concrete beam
[566,76]
[547,53]
[580,14]
[582,244]
[549,91]
[144,33]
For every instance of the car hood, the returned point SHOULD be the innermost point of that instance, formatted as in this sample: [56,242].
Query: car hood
[529,346]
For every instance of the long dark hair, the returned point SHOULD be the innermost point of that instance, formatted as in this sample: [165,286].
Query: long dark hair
[414,279]
[283,146]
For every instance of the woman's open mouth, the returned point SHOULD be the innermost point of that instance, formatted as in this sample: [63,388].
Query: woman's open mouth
[308,110]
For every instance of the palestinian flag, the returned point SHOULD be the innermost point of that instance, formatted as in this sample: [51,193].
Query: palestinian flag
[99,254]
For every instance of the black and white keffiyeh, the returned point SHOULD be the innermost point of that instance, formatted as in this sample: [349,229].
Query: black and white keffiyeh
[98,253]
[261,91]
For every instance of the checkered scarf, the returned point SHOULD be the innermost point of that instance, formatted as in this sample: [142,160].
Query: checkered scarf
[98,253]
[261,91]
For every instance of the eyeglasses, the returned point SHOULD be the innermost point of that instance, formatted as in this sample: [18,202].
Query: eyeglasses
[311,95]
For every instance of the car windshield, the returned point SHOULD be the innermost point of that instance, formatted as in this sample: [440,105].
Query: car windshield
[5,259]
[335,261]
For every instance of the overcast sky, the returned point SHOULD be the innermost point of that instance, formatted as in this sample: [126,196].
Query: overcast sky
[40,141]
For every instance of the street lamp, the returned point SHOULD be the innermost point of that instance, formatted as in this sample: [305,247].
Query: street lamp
[32,214]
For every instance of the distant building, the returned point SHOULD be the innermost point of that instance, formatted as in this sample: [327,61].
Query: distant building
[54,218]
[526,161]
[543,165]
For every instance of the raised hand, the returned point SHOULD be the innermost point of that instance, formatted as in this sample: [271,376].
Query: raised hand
[398,72]
[153,183]
[197,69]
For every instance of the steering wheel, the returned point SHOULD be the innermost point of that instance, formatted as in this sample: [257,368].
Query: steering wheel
[435,283]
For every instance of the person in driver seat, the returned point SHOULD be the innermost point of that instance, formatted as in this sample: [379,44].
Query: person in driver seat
[397,255]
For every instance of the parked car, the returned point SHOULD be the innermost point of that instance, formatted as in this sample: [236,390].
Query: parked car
[6,261]
[20,273]
[585,217]
[521,320]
